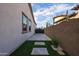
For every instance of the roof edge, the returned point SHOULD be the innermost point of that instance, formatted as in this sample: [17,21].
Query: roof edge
[59,16]
[31,12]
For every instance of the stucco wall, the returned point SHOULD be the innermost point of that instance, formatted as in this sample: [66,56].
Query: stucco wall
[68,35]
[11,26]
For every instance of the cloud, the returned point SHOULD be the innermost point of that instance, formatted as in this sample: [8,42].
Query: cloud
[42,24]
[51,11]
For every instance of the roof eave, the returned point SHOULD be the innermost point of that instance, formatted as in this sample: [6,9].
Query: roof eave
[32,12]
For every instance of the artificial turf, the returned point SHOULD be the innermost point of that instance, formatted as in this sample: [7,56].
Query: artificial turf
[26,48]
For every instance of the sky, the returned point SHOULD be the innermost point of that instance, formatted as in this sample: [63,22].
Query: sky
[44,12]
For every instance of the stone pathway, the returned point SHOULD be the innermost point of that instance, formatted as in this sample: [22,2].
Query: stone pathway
[39,51]
[39,37]
[39,43]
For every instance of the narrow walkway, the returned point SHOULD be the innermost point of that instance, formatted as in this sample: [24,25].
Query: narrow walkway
[38,44]
[39,50]
[39,37]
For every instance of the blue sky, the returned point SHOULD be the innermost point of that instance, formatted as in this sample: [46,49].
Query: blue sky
[44,12]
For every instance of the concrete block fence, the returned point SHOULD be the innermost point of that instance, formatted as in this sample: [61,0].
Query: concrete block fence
[67,33]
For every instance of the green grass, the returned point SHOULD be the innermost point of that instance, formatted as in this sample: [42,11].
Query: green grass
[26,48]
[50,50]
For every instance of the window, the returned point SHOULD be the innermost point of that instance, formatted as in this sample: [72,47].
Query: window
[26,23]
[29,25]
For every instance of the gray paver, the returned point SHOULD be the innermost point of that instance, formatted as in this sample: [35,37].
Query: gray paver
[54,48]
[39,37]
[39,43]
[39,51]
[61,52]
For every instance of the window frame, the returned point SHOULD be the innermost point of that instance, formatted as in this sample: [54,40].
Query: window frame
[28,21]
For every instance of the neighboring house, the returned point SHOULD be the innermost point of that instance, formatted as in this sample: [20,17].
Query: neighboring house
[76,8]
[17,24]
[58,19]
[61,18]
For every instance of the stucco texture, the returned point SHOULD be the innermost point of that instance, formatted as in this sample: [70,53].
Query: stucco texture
[11,35]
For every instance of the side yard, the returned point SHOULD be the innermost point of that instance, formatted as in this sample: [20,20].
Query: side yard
[44,48]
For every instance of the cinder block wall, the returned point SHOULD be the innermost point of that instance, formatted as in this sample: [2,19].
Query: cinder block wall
[68,35]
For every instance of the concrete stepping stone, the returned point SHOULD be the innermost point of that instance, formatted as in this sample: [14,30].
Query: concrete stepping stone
[59,50]
[54,48]
[39,43]
[39,37]
[39,51]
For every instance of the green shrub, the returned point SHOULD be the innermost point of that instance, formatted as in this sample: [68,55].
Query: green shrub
[55,42]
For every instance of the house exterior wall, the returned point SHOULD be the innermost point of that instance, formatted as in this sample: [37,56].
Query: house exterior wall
[67,34]
[11,35]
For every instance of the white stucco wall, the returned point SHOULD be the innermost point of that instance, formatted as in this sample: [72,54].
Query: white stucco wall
[11,26]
